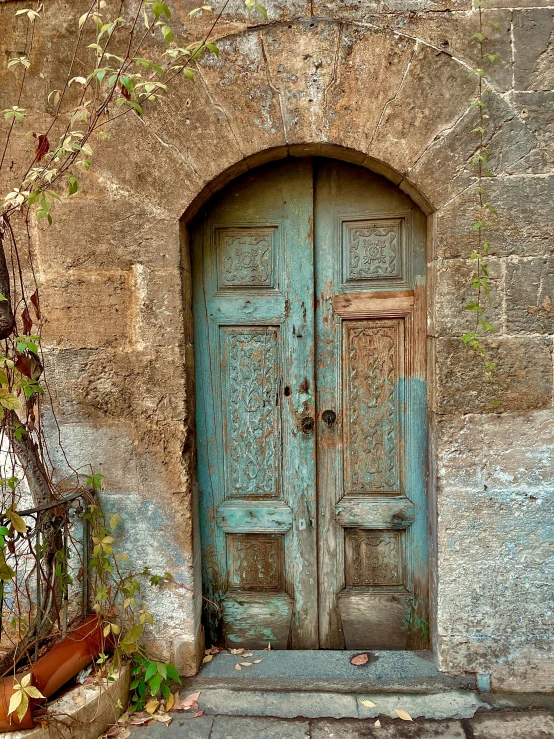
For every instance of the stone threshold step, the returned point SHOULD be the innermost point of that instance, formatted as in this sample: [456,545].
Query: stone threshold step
[329,671]
[452,704]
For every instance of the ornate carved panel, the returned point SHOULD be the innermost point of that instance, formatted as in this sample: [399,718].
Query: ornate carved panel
[372,250]
[372,356]
[246,257]
[251,416]
[256,562]
[373,558]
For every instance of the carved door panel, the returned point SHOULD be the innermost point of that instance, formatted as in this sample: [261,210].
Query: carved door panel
[372,538]
[254,332]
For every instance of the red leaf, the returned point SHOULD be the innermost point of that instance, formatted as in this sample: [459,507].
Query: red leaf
[43,145]
[198,714]
[125,92]
[35,301]
[27,321]
[23,364]
[360,659]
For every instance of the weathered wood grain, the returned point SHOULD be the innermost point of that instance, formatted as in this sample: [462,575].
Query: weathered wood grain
[239,517]
[375,512]
[374,619]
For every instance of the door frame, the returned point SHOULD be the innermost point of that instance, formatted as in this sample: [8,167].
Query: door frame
[376,167]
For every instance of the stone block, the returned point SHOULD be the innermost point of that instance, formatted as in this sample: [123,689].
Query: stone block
[301,62]
[432,96]
[157,311]
[527,670]
[364,11]
[453,292]
[494,565]
[499,452]
[524,226]
[451,33]
[445,168]
[87,310]
[255,727]
[530,295]
[529,725]
[375,60]
[103,385]
[534,51]
[238,80]
[536,109]
[521,380]
[108,233]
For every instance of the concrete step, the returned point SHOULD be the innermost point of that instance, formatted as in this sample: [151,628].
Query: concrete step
[329,671]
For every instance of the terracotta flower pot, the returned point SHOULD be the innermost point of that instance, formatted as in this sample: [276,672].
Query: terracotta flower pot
[12,723]
[78,649]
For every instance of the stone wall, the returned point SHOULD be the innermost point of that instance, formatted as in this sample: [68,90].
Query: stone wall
[386,87]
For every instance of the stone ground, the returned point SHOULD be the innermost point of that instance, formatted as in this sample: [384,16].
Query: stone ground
[484,725]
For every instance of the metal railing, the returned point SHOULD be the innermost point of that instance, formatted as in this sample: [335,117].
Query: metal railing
[63,528]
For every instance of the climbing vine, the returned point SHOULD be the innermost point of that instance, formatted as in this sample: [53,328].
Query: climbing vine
[480,281]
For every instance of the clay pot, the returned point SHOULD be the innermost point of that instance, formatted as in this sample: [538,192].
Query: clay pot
[78,649]
[12,723]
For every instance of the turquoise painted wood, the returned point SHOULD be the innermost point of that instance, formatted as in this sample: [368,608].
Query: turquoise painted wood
[253,271]
[308,292]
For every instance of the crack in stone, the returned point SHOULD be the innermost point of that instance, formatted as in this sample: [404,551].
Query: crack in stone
[219,108]
[274,88]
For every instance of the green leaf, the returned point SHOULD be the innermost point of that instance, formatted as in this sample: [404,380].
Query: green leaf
[162,669]
[172,673]
[154,685]
[73,185]
[189,73]
[150,671]
[159,8]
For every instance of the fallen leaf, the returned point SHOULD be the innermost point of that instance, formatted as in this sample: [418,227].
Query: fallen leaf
[404,715]
[248,655]
[213,650]
[377,724]
[256,661]
[207,658]
[198,714]
[170,702]
[162,718]
[237,651]
[360,659]
[139,719]
[238,667]
[246,664]
[368,704]
[195,706]
[187,702]
[151,706]
[268,648]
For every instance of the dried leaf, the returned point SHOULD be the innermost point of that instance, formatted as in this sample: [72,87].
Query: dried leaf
[237,651]
[23,364]
[187,702]
[207,658]
[249,654]
[27,321]
[198,714]
[42,147]
[139,719]
[35,301]
[404,715]
[377,724]
[246,664]
[151,706]
[268,648]
[368,704]
[170,701]
[163,718]
[256,661]
[360,659]
[238,667]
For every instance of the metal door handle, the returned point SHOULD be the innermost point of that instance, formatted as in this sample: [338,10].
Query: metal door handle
[329,417]
[307,424]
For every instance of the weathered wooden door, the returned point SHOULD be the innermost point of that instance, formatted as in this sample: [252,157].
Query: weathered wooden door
[308,291]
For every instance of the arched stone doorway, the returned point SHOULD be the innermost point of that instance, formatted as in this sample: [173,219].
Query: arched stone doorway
[309,309]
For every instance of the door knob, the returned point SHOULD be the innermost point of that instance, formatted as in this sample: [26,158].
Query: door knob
[329,417]
[307,424]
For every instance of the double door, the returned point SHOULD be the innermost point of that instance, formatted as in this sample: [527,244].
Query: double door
[309,310]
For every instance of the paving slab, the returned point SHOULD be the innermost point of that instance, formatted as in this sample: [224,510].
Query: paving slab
[183,726]
[512,725]
[229,727]
[348,729]
[330,671]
